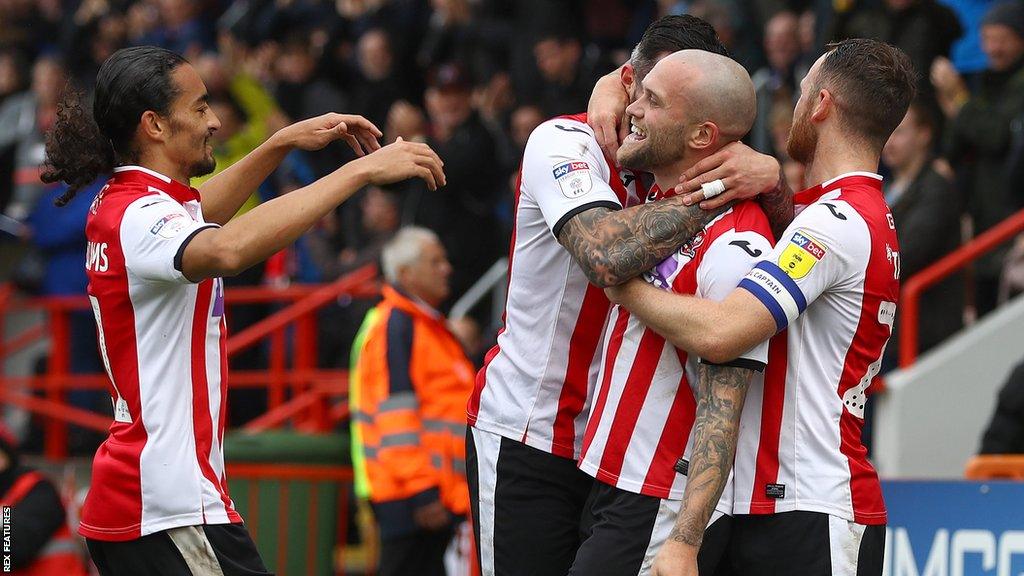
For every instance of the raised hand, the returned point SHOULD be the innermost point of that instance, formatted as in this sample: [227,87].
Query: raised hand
[401,160]
[605,113]
[315,133]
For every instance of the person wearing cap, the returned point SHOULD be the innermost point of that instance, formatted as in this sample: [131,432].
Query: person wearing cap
[463,213]
[980,134]
[41,543]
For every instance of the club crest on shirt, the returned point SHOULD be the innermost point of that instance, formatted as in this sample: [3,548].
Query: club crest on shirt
[573,178]
[801,254]
[665,273]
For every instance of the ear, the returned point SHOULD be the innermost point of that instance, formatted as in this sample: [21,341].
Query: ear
[824,106]
[627,75]
[153,126]
[704,135]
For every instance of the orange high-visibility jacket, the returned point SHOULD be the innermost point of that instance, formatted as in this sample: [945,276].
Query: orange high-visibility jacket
[413,381]
[61,556]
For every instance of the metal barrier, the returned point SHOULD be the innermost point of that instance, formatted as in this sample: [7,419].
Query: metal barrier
[948,265]
[294,374]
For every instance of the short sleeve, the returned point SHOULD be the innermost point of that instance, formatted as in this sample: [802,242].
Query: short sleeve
[812,256]
[154,233]
[565,172]
[725,263]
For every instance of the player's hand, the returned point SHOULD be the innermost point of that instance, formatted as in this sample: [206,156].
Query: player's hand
[433,516]
[605,113]
[675,559]
[744,171]
[401,160]
[315,133]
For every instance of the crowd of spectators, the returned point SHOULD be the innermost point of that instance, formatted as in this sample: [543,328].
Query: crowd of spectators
[473,78]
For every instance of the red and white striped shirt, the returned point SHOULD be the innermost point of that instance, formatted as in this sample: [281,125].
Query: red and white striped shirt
[644,407]
[536,382]
[162,339]
[833,279]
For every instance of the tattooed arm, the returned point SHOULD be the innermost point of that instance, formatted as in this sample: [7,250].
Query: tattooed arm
[778,206]
[613,246]
[721,391]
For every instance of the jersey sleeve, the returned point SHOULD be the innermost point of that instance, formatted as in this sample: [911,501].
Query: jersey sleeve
[154,233]
[726,262]
[565,172]
[812,256]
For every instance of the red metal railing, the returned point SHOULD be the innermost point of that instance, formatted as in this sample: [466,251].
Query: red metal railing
[310,386]
[950,264]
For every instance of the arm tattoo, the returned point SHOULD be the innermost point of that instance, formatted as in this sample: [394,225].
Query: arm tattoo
[614,246]
[720,394]
[778,206]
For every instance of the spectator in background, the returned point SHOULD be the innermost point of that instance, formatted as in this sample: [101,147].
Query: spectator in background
[776,83]
[927,211]
[979,133]
[1005,432]
[566,82]
[301,93]
[42,544]
[924,29]
[411,380]
[24,120]
[181,28]
[461,213]
[378,87]
[405,120]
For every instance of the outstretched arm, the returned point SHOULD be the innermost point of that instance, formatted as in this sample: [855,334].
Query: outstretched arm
[225,193]
[721,391]
[716,331]
[269,227]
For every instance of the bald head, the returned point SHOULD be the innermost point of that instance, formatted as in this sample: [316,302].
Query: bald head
[713,88]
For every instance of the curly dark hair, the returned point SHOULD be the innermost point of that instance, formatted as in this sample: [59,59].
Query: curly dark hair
[82,146]
[76,150]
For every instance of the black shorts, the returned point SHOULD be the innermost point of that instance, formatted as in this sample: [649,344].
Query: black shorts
[820,544]
[624,531]
[212,550]
[527,506]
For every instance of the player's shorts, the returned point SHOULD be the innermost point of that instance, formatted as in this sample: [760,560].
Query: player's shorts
[527,505]
[820,544]
[623,532]
[211,550]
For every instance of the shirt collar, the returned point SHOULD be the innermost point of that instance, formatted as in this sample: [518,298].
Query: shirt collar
[142,175]
[811,195]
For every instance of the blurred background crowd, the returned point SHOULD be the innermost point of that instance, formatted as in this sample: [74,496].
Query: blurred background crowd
[473,78]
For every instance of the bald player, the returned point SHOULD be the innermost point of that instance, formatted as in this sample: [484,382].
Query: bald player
[659,414]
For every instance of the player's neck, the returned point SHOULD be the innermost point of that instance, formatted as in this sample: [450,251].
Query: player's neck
[837,156]
[163,165]
[667,176]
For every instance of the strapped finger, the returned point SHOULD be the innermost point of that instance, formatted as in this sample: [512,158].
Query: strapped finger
[729,195]
[694,184]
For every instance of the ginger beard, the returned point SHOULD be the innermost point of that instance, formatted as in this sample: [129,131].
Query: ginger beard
[803,139]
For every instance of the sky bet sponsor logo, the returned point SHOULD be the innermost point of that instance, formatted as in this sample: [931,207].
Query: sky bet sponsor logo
[809,245]
[563,169]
